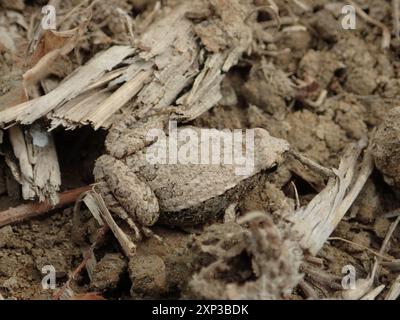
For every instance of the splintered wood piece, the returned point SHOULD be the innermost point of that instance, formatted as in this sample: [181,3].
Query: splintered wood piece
[44,159]
[91,203]
[39,171]
[10,114]
[206,91]
[374,293]
[21,153]
[316,221]
[167,60]
[35,209]
[394,291]
[97,206]
[75,112]
[72,86]
[118,99]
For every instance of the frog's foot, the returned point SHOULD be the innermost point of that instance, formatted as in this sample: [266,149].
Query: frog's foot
[125,194]
[150,234]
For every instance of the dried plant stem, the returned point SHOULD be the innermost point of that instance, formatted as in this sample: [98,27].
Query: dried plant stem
[393,265]
[316,222]
[393,227]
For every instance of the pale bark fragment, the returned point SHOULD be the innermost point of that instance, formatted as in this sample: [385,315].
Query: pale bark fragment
[46,169]
[394,291]
[179,61]
[374,293]
[316,222]
[75,112]
[72,86]
[21,152]
[205,92]
[39,172]
[97,206]
[118,99]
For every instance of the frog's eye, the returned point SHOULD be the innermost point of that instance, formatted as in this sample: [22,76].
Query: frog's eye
[273,168]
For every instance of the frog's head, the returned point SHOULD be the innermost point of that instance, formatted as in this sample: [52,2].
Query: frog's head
[268,151]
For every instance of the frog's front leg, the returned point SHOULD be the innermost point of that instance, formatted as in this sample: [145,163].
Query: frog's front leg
[126,138]
[136,201]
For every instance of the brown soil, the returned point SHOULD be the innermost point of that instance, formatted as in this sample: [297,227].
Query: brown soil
[277,92]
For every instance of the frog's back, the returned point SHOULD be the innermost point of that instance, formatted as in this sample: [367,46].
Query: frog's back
[190,178]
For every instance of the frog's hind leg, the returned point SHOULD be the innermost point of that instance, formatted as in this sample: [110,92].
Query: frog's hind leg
[128,196]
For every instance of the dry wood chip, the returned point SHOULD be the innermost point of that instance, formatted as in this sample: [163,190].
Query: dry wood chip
[75,84]
[394,291]
[319,218]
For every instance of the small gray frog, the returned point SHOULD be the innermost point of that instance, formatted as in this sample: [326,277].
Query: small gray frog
[142,192]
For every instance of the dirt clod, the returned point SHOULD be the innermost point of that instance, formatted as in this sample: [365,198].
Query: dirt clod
[148,276]
[235,266]
[387,148]
[108,272]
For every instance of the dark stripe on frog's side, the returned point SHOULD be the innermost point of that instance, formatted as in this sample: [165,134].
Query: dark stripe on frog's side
[211,209]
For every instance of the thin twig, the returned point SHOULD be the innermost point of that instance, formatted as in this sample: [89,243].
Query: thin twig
[302,5]
[392,214]
[30,210]
[393,227]
[361,246]
[99,235]
[312,164]
[393,265]
[389,234]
